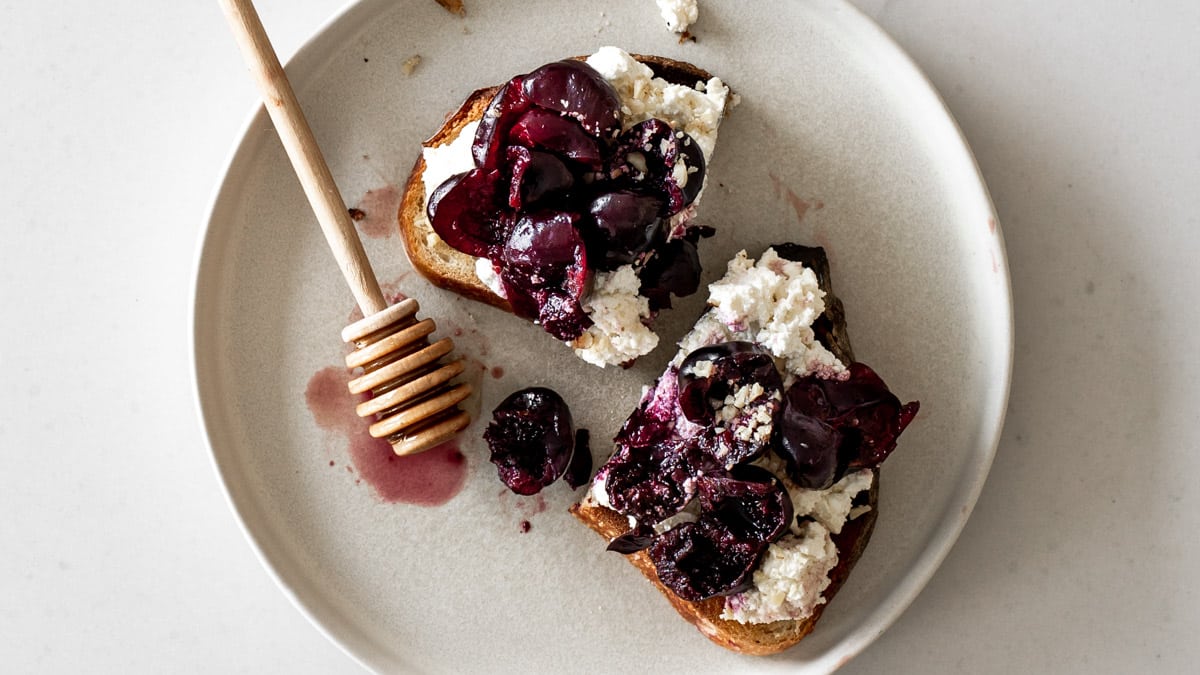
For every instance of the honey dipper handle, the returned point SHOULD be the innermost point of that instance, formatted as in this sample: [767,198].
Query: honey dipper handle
[306,157]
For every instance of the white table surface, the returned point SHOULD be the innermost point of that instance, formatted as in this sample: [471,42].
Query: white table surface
[120,553]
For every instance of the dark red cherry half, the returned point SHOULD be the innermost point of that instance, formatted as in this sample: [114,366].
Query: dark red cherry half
[699,561]
[674,269]
[491,136]
[627,225]
[544,130]
[830,427]
[752,504]
[649,488]
[530,439]
[463,212]
[653,156]
[535,176]
[576,90]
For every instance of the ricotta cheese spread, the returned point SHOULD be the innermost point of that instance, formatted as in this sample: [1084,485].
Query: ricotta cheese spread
[597,493]
[774,302]
[790,580]
[618,333]
[833,507]
[679,14]
[615,336]
[487,274]
[442,162]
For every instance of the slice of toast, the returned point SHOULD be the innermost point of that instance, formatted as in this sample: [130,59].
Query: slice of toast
[444,266]
[765,638]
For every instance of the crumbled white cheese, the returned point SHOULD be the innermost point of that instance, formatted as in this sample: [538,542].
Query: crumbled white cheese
[697,111]
[858,511]
[759,425]
[679,14]
[775,303]
[618,333]
[486,271]
[410,64]
[708,330]
[833,506]
[790,581]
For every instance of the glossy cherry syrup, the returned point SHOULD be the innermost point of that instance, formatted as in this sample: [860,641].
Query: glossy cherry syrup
[430,478]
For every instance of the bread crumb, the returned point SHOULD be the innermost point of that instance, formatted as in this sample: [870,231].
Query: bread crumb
[410,64]
[357,215]
[453,6]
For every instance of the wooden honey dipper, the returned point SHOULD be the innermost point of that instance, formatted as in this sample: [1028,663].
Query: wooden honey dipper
[414,402]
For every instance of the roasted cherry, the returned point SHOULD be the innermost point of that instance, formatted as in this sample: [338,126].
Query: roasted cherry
[576,90]
[560,314]
[752,504]
[543,269]
[646,487]
[541,248]
[535,176]
[652,155]
[506,106]
[699,561]
[544,130]
[543,242]
[463,212]
[653,420]
[829,427]
[873,410]
[710,374]
[674,269]
[735,388]
[808,444]
[530,439]
[627,225]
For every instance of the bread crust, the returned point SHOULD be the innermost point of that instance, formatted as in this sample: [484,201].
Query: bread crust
[435,260]
[768,638]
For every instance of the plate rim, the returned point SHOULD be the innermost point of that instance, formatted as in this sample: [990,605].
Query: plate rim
[947,528]
[257,117]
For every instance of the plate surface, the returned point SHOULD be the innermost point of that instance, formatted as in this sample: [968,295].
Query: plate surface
[838,141]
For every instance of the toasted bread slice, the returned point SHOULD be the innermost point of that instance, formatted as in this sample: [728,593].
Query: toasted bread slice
[765,638]
[435,259]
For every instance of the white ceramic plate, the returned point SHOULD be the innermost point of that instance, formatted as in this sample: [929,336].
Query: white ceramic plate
[839,141]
